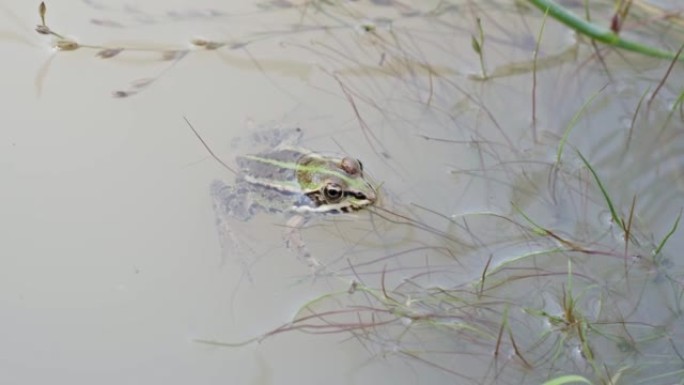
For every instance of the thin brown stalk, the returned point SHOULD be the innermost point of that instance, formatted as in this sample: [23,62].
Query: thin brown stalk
[484,274]
[667,74]
[534,78]
[499,337]
[206,146]
[634,117]
[628,228]
[517,351]
[382,284]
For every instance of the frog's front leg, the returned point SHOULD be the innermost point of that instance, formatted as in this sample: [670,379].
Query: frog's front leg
[293,239]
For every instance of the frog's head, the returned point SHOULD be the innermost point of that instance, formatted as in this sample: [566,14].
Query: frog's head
[334,184]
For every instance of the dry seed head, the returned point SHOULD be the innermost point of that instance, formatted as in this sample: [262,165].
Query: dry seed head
[67,45]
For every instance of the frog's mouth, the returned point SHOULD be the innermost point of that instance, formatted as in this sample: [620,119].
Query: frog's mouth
[315,202]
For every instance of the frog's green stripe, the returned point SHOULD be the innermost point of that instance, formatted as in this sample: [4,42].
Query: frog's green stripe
[283,186]
[312,169]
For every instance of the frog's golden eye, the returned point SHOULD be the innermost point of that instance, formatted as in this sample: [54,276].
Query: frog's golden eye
[333,192]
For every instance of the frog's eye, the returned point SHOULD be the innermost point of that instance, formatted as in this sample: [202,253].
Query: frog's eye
[351,166]
[332,192]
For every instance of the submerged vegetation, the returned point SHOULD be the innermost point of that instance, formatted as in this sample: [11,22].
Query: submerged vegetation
[564,269]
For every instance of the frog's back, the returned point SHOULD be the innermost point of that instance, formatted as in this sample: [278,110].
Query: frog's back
[278,165]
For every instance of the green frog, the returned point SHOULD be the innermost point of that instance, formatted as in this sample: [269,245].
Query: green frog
[293,181]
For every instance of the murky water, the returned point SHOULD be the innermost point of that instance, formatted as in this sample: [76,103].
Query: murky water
[492,257]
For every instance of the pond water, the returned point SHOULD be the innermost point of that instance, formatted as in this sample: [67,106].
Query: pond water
[526,227]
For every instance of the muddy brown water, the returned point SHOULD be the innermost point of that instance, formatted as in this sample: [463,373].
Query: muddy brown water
[486,261]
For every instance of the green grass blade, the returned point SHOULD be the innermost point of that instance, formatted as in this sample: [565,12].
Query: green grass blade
[535,227]
[613,213]
[669,234]
[573,121]
[599,33]
[677,104]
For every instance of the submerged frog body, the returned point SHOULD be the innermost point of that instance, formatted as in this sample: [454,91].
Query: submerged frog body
[294,181]
[291,181]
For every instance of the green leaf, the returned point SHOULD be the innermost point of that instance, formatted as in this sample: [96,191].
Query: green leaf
[476,45]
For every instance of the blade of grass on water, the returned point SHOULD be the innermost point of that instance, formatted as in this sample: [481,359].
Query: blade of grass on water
[613,213]
[599,33]
[573,121]
[669,234]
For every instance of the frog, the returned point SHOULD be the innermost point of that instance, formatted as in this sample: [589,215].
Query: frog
[297,183]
